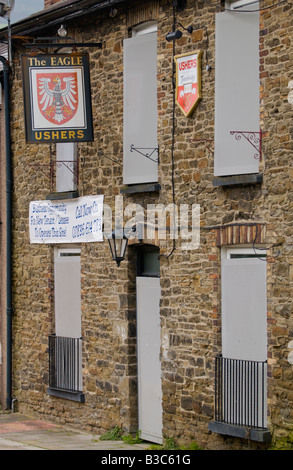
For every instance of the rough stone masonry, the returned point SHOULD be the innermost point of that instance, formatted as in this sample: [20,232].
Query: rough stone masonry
[190,307]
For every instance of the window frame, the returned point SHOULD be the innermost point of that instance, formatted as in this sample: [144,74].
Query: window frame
[226,252]
[237,4]
[144,28]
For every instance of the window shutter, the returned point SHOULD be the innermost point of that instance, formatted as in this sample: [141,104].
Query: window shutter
[66,172]
[67,293]
[244,328]
[237,91]
[140,109]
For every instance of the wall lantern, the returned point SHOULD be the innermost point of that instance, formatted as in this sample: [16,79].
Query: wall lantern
[118,247]
[62,32]
[6,7]
[176,34]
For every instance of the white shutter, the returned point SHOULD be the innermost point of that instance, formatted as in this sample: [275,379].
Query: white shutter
[244,326]
[237,91]
[140,109]
[149,364]
[66,166]
[67,292]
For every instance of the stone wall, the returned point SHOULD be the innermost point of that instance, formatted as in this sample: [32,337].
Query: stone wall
[276,48]
[190,280]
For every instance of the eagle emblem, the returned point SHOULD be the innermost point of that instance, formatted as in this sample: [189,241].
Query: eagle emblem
[58,96]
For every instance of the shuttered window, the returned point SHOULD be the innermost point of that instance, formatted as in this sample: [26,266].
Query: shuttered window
[237,90]
[244,326]
[67,292]
[66,166]
[140,109]
[67,347]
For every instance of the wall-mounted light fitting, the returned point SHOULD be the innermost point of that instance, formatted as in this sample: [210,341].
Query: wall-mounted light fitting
[113,12]
[176,34]
[62,32]
[118,247]
[189,29]
[118,241]
[6,7]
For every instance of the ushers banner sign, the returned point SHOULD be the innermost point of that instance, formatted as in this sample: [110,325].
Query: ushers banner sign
[57,98]
[70,221]
[188,81]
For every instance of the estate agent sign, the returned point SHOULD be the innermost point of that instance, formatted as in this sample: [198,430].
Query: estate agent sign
[57,98]
[188,81]
[69,221]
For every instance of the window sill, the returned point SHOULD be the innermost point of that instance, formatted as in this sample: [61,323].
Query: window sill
[141,188]
[237,180]
[64,195]
[73,396]
[253,434]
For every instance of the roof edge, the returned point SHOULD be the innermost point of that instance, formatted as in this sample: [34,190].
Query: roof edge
[65,11]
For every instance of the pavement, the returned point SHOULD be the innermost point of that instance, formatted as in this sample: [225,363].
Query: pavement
[21,432]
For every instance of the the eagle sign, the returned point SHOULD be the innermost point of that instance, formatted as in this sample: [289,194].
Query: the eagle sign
[58,97]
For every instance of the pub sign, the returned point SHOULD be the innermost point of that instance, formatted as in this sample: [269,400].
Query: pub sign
[188,81]
[57,98]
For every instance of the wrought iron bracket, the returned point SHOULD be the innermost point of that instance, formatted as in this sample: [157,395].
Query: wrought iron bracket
[254,138]
[72,166]
[146,154]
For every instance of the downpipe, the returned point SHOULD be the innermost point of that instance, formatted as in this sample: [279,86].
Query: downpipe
[9,309]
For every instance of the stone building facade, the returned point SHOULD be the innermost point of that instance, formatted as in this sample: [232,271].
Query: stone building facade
[222,286]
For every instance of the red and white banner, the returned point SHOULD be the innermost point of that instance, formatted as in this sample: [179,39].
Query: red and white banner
[188,81]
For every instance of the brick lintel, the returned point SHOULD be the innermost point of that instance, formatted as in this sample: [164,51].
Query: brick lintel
[240,234]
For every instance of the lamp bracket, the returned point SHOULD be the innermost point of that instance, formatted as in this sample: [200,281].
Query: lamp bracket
[50,169]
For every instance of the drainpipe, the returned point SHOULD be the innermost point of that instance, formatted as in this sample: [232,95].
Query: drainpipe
[8,233]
